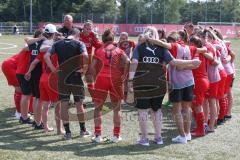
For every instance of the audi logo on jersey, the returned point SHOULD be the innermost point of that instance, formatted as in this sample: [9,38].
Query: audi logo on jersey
[151,60]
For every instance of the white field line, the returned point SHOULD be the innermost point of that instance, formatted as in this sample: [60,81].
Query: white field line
[11,46]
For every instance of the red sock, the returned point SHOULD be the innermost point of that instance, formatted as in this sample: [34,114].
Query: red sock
[98,130]
[222,104]
[116,131]
[17,100]
[200,125]
[31,105]
[227,106]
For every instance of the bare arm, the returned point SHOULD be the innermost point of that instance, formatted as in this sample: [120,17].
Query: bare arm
[208,56]
[160,43]
[201,50]
[30,40]
[31,68]
[132,71]
[45,48]
[233,55]
[84,68]
[49,62]
[185,64]
[132,68]
[91,77]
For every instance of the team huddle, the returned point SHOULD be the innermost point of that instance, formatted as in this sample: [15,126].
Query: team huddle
[193,66]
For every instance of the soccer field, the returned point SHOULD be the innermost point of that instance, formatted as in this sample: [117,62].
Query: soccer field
[23,142]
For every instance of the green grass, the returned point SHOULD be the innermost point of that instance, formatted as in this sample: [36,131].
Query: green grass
[22,142]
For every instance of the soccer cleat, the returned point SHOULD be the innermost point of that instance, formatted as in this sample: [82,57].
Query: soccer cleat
[205,127]
[116,139]
[158,140]
[33,124]
[226,118]
[97,139]
[143,142]
[67,136]
[189,137]
[17,115]
[25,121]
[220,122]
[85,133]
[180,139]
[38,127]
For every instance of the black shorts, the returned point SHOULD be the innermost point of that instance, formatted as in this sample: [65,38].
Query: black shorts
[153,103]
[24,85]
[184,94]
[72,84]
[30,87]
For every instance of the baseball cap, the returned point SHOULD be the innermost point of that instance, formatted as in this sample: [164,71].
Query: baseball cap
[50,28]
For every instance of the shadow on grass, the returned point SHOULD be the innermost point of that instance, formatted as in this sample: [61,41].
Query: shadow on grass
[23,138]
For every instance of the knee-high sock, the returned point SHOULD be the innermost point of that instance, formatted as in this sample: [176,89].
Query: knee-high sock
[227,105]
[200,123]
[17,100]
[222,105]
[116,131]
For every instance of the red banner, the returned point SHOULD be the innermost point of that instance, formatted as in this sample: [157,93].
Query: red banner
[228,31]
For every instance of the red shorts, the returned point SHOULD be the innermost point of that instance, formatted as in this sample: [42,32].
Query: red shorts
[48,88]
[103,86]
[9,70]
[228,83]
[213,90]
[221,88]
[200,89]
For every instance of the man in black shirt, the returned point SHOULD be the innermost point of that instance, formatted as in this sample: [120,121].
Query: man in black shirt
[67,26]
[73,60]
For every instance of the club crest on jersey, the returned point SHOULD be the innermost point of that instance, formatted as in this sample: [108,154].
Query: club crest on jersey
[153,60]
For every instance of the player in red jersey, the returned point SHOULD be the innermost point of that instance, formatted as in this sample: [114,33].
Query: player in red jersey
[90,39]
[109,65]
[48,82]
[210,106]
[9,67]
[230,94]
[127,46]
[212,38]
[226,60]
[201,85]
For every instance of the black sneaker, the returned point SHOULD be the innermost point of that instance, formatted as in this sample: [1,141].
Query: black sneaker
[226,118]
[67,136]
[33,124]
[25,121]
[37,127]
[220,122]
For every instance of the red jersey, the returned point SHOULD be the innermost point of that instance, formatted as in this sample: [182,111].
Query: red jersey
[13,60]
[127,47]
[201,71]
[174,50]
[45,68]
[23,61]
[110,56]
[90,41]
